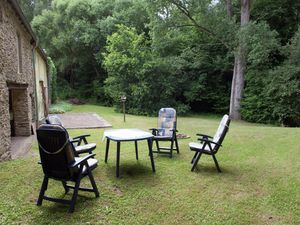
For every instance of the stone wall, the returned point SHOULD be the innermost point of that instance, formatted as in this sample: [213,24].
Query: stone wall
[5,140]
[11,26]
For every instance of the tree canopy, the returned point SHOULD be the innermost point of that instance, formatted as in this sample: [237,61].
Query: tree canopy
[174,53]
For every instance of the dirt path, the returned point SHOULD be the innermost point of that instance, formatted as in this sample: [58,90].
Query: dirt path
[83,120]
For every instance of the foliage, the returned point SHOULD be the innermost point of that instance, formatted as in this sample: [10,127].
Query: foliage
[60,107]
[125,62]
[274,95]
[170,53]
[74,33]
[281,15]
[32,8]
[284,90]
[53,80]
[261,43]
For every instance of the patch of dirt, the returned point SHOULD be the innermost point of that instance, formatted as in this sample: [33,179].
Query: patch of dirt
[182,136]
[76,101]
[82,120]
[117,191]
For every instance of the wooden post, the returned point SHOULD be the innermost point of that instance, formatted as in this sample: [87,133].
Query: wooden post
[123,100]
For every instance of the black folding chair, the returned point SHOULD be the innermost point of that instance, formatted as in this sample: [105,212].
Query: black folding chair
[80,143]
[58,163]
[166,131]
[210,145]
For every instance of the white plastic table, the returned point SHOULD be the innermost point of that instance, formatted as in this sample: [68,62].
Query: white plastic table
[131,134]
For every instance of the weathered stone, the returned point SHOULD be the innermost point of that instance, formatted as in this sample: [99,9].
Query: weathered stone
[19,81]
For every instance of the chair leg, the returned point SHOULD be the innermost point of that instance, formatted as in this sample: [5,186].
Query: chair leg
[171,149]
[194,157]
[216,162]
[176,144]
[93,183]
[65,186]
[157,145]
[196,161]
[75,193]
[42,191]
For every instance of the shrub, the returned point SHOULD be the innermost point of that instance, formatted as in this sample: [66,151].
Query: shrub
[60,107]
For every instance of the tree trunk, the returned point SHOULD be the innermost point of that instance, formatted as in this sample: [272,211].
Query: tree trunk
[238,81]
[229,8]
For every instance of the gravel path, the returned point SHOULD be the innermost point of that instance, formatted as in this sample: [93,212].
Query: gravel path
[83,120]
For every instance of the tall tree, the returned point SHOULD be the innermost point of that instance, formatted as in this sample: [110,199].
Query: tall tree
[32,8]
[238,78]
[240,54]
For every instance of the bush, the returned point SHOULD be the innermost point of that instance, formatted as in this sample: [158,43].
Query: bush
[273,96]
[60,107]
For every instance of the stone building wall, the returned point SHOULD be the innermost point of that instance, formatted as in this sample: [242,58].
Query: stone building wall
[21,81]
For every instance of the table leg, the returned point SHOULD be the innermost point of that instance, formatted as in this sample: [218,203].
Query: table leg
[107,148]
[151,154]
[118,159]
[136,150]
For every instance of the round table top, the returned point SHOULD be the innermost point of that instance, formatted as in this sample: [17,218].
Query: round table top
[127,134]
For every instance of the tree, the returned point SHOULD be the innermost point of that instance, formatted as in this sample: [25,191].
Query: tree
[187,8]
[32,8]
[74,33]
[240,61]
[273,96]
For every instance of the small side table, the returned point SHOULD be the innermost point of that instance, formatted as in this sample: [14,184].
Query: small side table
[132,134]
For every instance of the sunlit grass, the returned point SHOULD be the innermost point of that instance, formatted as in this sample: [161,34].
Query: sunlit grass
[259,184]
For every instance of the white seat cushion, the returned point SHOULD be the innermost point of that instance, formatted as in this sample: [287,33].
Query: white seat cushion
[221,128]
[85,148]
[196,146]
[91,162]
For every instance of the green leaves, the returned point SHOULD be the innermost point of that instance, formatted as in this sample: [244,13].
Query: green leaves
[173,53]
[274,94]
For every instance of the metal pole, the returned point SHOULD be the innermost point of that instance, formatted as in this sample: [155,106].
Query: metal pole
[124,110]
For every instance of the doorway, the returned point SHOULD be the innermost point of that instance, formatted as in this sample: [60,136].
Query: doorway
[11,114]
[19,110]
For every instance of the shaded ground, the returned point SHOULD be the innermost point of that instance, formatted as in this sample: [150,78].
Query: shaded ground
[20,146]
[83,120]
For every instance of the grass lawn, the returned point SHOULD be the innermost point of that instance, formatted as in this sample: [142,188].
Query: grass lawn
[260,183]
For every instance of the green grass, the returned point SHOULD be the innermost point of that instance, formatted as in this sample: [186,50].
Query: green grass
[260,183]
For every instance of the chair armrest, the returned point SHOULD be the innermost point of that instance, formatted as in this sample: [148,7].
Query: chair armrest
[75,142]
[154,131]
[82,160]
[204,136]
[175,130]
[208,141]
[81,138]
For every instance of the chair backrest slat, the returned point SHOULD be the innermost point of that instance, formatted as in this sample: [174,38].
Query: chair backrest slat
[53,119]
[56,151]
[221,132]
[167,120]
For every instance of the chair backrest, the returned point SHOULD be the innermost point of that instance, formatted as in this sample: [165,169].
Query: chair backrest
[221,132]
[167,120]
[53,119]
[56,151]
